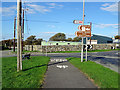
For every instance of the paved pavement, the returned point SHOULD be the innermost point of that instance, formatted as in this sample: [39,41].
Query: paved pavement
[61,74]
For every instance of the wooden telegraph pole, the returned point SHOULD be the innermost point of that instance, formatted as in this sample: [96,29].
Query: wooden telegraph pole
[82,37]
[19,46]
[14,33]
[23,30]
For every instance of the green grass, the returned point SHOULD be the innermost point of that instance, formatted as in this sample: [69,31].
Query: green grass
[84,51]
[31,77]
[102,76]
[0,73]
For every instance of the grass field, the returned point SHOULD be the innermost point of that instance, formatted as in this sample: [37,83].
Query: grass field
[102,76]
[31,77]
[0,73]
[84,51]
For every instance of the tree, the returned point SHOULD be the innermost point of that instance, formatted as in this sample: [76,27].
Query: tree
[58,37]
[117,37]
[30,40]
[38,41]
[69,39]
[33,41]
[77,39]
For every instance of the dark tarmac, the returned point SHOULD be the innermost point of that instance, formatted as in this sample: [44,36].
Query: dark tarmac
[62,74]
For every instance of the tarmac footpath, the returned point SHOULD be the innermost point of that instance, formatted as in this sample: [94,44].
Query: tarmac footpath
[62,74]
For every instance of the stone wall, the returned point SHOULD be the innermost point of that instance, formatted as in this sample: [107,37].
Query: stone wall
[53,48]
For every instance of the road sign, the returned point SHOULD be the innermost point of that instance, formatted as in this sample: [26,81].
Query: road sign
[77,22]
[84,27]
[80,33]
[86,30]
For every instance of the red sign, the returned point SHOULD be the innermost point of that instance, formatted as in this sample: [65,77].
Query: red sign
[77,22]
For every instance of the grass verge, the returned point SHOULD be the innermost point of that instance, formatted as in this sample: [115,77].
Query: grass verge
[84,51]
[0,73]
[31,77]
[102,76]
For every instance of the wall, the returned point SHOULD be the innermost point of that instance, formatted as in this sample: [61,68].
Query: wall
[53,48]
[43,43]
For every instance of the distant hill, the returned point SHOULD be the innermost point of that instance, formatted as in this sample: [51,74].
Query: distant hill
[100,39]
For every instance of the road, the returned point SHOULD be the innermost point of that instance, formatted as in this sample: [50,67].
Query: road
[108,59]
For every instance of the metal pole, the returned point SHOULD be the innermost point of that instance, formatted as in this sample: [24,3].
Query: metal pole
[86,49]
[19,53]
[91,30]
[82,37]
[14,33]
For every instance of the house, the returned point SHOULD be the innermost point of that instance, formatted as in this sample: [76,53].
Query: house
[44,43]
[116,41]
[92,42]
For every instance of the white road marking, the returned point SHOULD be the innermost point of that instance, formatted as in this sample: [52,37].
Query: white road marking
[62,66]
[58,60]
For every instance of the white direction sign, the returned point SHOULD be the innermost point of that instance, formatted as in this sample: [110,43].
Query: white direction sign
[77,22]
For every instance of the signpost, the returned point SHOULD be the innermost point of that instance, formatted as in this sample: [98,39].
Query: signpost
[85,31]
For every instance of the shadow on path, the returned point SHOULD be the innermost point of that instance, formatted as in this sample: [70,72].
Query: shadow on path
[45,65]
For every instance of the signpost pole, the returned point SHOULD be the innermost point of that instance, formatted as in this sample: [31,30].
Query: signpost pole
[86,49]
[82,37]
[91,30]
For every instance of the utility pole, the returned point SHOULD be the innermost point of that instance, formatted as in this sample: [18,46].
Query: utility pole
[23,30]
[14,33]
[82,37]
[19,46]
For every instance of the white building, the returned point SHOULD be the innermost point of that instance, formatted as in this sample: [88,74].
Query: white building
[116,40]
[92,42]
